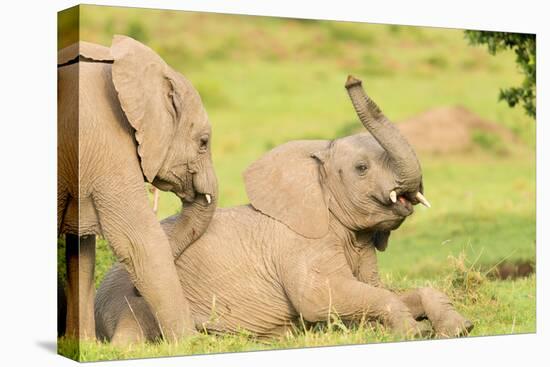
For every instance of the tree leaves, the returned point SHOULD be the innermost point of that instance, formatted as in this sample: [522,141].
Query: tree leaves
[524,46]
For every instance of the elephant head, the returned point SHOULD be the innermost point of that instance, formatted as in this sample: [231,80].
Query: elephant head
[171,125]
[368,182]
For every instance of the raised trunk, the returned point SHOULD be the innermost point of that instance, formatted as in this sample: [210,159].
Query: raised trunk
[407,167]
[186,227]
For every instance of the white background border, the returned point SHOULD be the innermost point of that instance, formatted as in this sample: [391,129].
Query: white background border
[28,181]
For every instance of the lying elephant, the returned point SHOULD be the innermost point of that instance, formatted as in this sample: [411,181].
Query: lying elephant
[126,117]
[304,247]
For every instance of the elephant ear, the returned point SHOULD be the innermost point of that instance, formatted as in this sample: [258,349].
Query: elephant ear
[145,89]
[285,184]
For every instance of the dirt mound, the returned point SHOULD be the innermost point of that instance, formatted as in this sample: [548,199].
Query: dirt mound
[453,129]
[512,270]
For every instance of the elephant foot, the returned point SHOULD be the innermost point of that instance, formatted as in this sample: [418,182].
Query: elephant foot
[412,329]
[453,325]
[124,338]
[438,308]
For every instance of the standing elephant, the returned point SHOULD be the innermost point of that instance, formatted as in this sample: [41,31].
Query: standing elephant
[305,247]
[125,117]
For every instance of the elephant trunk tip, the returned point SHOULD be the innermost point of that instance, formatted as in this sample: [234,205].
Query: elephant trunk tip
[352,81]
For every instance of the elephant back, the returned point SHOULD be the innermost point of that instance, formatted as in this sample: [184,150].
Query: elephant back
[83,51]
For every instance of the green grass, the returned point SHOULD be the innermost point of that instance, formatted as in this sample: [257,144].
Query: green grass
[511,305]
[484,206]
[265,81]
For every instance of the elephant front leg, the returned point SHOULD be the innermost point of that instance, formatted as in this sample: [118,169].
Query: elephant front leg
[354,300]
[80,259]
[437,307]
[140,244]
[422,303]
[366,270]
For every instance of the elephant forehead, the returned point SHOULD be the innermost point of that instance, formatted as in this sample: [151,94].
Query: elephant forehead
[191,98]
[186,87]
[363,143]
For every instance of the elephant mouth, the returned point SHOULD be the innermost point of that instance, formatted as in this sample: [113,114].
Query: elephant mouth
[190,187]
[402,207]
[168,184]
[396,213]
[204,199]
[181,188]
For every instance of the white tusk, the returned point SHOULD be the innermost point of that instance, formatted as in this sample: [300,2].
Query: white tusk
[423,200]
[208,198]
[393,196]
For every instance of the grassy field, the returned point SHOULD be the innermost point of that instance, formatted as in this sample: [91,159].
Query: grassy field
[265,81]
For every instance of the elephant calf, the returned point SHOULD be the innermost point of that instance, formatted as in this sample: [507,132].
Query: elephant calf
[305,247]
[125,117]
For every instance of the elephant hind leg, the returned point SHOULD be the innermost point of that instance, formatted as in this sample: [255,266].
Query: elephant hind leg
[61,308]
[437,307]
[122,316]
[80,258]
[136,323]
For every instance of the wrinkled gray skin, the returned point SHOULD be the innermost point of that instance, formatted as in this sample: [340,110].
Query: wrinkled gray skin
[305,246]
[126,117]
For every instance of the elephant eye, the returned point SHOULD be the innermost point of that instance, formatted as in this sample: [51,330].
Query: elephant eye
[203,143]
[361,168]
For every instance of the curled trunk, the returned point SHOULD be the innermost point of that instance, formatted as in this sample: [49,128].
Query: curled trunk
[186,227]
[407,167]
